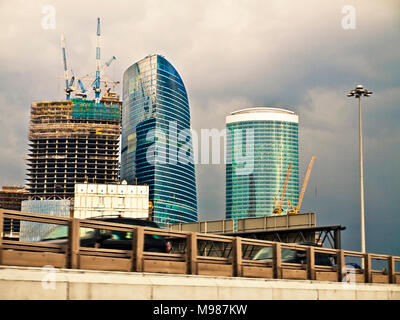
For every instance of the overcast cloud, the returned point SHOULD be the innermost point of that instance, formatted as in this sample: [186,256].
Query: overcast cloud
[231,55]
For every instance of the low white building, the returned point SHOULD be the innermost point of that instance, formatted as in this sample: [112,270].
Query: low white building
[93,200]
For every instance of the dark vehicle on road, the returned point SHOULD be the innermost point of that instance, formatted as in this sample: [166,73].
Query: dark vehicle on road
[299,256]
[295,256]
[109,239]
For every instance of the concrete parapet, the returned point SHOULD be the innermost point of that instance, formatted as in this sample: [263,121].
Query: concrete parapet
[28,283]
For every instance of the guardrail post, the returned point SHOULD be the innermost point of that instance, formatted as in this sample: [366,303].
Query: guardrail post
[367,268]
[340,262]
[392,269]
[74,243]
[237,256]
[1,235]
[277,260]
[137,249]
[191,253]
[310,256]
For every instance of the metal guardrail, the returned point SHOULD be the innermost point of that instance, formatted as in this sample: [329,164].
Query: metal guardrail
[233,257]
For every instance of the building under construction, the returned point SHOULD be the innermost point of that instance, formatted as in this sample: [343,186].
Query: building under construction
[11,198]
[72,141]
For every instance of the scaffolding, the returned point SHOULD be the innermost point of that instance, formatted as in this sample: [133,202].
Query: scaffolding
[72,141]
[87,109]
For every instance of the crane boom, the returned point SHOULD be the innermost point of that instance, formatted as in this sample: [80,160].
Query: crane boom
[107,64]
[304,187]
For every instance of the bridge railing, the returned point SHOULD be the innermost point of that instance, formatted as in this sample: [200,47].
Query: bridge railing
[193,253]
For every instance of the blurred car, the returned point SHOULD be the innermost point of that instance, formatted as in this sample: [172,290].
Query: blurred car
[108,239]
[299,256]
[295,256]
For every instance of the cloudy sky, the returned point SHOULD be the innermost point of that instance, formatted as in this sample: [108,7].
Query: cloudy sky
[235,54]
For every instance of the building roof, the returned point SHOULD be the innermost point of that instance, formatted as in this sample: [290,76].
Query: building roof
[262,110]
[262,114]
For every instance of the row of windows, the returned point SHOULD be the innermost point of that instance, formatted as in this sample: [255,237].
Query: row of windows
[261,131]
[179,198]
[260,174]
[258,177]
[260,161]
[255,123]
[242,146]
[162,112]
[264,167]
[261,194]
[162,202]
[182,170]
[259,197]
[150,86]
[162,216]
[265,187]
[165,90]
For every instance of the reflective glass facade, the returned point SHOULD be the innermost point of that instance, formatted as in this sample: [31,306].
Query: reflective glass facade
[156,145]
[34,231]
[261,144]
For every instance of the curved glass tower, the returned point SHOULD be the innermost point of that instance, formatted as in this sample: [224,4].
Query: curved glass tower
[156,144]
[261,144]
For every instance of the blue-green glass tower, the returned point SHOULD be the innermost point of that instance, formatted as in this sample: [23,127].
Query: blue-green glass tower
[261,144]
[156,144]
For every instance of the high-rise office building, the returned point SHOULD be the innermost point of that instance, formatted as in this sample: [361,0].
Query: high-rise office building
[156,146]
[261,145]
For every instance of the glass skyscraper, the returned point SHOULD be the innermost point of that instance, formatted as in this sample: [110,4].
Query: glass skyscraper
[261,144]
[156,144]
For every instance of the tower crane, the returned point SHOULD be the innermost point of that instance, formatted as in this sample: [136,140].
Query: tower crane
[96,83]
[68,83]
[82,93]
[103,68]
[279,207]
[107,64]
[303,188]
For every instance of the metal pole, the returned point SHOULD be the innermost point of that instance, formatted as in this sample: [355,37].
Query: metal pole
[361,179]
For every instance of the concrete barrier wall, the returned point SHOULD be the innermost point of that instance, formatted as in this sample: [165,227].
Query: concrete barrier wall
[29,283]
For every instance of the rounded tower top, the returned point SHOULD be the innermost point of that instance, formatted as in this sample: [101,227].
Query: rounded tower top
[262,114]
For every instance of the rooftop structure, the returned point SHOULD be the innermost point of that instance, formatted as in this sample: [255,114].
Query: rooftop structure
[94,200]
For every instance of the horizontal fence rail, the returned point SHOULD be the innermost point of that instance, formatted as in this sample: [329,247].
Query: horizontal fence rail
[192,253]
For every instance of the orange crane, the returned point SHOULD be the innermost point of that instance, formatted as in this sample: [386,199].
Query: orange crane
[279,207]
[303,189]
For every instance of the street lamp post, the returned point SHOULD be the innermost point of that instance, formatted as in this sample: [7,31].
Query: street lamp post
[358,92]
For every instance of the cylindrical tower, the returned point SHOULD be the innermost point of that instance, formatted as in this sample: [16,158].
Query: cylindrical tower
[261,144]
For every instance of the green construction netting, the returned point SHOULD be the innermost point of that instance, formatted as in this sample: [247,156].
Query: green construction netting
[87,109]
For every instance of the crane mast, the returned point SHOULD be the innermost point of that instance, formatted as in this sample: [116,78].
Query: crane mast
[279,208]
[68,85]
[80,91]
[96,87]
